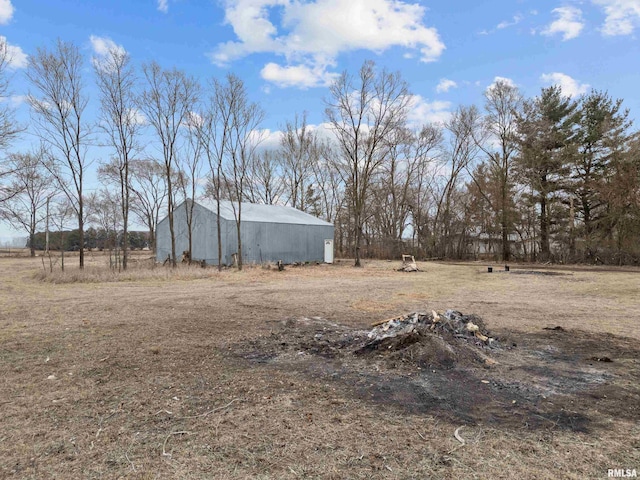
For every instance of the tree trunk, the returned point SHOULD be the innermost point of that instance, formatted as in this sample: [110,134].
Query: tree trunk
[506,254]
[125,219]
[189,216]
[545,252]
[358,240]
[238,227]
[170,215]
[81,235]
[219,234]
[152,238]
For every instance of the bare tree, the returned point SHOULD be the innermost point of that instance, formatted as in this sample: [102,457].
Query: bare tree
[503,104]
[364,111]
[58,111]
[300,150]
[427,149]
[9,129]
[329,182]
[191,173]
[104,209]
[167,102]
[59,215]
[461,152]
[242,141]
[410,153]
[213,132]
[230,137]
[149,193]
[31,185]
[265,183]
[121,122]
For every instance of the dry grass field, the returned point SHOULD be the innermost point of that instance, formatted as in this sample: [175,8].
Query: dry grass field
[199,374]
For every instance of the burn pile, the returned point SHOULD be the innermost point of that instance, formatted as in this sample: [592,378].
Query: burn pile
[431,339]
[417,340]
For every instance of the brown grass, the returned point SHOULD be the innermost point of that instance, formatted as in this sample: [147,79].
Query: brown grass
[148,382]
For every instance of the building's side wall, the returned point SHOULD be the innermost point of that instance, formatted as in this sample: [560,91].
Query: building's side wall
[204,237]
[270,242]
[163,240]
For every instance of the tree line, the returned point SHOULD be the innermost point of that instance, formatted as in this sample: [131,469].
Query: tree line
[549,178]
[94,239]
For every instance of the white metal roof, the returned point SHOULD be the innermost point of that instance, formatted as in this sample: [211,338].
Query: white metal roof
[253,212]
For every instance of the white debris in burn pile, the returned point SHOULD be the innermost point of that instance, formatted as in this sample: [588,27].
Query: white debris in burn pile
[452,321]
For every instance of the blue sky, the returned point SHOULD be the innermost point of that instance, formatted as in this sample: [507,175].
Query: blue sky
[288,51]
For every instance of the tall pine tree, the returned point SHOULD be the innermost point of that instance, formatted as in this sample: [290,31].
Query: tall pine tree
[547,129]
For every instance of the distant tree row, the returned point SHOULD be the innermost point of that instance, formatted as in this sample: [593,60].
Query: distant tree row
[95,239]
[549,178]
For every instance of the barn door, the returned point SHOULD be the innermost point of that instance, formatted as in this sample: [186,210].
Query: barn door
[328,251]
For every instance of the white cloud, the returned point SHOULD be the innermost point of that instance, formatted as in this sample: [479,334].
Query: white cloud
[302,76]
[504,80]
[16,58]
[38,104]
[445,85]
[422,111]
[6,11]
[103,45]
[17,100]
[310,35]
[515,20]
[163,6]
[137,117]
[269,139]
[568,23]
[510,23]
[570,87]
[105,50]
[622,16]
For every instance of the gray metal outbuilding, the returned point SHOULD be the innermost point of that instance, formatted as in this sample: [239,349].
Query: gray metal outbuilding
[269,233]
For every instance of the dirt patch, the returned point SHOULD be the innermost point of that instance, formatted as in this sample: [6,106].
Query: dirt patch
[536,272]
[547,380]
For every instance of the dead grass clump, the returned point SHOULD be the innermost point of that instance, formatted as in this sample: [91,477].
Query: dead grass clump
[97,274]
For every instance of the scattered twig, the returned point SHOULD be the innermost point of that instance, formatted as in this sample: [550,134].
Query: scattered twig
[104,359]
[210,411]
[165,411]
[380,322]
[555,423]
[104,419]
[457,435]
[164,444]
[576,442]
[133,467]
